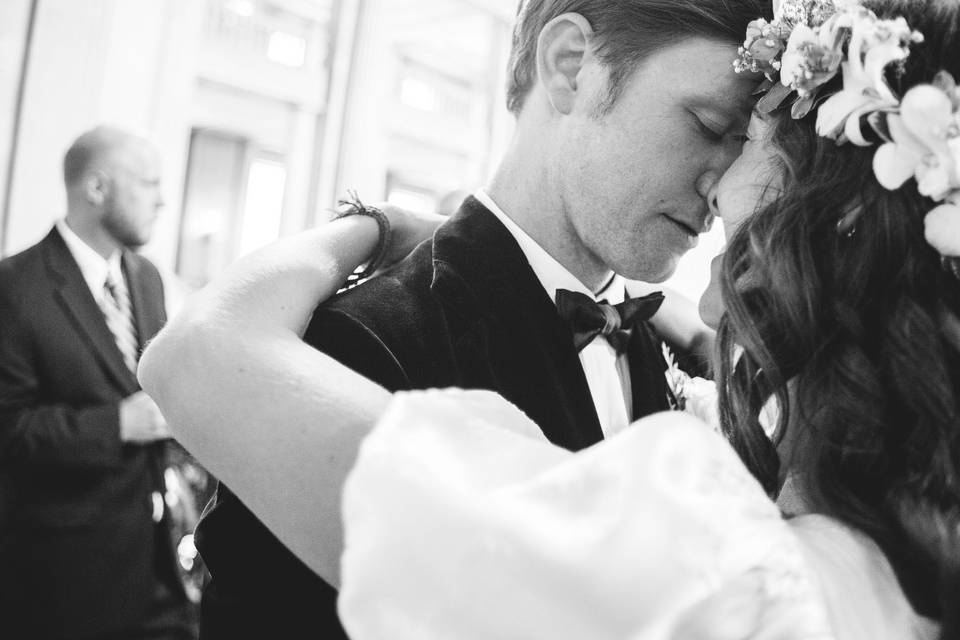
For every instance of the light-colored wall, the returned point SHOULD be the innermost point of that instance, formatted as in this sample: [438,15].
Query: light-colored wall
[14,16]
[122,62]
[362,163]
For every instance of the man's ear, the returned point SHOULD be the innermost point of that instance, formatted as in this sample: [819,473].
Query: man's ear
[96,187]
[561,53]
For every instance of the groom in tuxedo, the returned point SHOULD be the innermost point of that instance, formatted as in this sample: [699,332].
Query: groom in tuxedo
[628,113]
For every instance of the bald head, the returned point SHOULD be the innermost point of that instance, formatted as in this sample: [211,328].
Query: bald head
[112,178]
[99,149]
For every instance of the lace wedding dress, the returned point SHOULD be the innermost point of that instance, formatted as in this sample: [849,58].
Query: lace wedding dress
[462,522]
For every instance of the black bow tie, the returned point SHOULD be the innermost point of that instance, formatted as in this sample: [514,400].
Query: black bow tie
[588,318]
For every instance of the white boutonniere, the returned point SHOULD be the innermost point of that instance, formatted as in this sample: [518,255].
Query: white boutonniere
[694,395]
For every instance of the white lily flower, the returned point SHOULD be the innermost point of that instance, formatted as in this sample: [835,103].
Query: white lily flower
[925,145]
[922,131]
[896,162]
[942,228]
[928,113]
[874,45]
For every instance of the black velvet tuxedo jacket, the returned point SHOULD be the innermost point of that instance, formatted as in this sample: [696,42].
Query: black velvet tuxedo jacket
[77,538]
[463,310]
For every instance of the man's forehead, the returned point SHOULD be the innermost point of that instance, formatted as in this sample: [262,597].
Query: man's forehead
[730,94]
[739,107]
[700,70]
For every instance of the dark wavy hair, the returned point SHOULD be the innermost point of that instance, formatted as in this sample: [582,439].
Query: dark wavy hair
[843,312]
[627,31]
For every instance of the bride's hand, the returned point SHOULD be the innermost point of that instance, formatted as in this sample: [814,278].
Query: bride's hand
[407,230]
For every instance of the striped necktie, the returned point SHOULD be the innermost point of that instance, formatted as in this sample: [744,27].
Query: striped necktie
[117,311]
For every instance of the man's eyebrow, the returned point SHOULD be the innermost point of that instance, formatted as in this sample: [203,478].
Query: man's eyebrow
[736,112]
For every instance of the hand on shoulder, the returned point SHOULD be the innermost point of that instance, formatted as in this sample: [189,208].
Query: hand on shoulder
[407,230]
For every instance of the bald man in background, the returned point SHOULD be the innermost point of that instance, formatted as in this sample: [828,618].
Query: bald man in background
[86,549]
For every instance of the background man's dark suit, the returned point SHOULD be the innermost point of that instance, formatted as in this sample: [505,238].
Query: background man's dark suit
[464,310]
[79,553]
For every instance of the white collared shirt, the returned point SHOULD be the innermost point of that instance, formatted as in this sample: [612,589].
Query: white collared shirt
[92,265]
[608,379]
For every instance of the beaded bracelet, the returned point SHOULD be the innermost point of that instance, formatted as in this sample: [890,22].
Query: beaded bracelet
[352,206]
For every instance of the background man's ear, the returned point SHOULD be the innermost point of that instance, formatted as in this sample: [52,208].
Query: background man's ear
[562,50]
[96,187]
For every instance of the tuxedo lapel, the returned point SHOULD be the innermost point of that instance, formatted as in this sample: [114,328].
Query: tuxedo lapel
[148,312]
[511,327]
[647,372]
[73,296]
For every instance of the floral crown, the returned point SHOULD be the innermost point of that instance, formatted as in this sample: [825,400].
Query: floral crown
[810,42]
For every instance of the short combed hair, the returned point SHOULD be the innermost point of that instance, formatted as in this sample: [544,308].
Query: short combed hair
[626,32]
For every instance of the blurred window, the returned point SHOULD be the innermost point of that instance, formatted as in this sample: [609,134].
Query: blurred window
[287,49]
[233,203]
[263,209]
[266,30]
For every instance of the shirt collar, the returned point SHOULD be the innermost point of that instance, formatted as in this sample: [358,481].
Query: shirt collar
[92,265]
[551,274]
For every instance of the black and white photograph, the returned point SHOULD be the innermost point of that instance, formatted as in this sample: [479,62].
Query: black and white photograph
[480,319]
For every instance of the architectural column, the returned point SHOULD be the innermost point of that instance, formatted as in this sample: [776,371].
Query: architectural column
[15,30]
[360,163]
[300,163]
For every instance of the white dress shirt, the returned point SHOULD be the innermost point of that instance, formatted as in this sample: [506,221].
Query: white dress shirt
[94,269]
[92,265]
[608,375]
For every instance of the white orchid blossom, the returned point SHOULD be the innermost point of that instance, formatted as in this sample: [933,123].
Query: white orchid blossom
[925,144]
[942,228]
[810,42]
[811,59]
[896,162]
[874,45]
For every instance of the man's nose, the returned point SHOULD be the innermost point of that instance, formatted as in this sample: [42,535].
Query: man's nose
[713,201]
[707,188]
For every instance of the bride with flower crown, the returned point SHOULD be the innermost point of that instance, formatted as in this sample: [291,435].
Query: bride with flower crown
[840,304]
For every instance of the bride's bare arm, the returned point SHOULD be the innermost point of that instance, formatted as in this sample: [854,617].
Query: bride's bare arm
[277,421]
[678,321]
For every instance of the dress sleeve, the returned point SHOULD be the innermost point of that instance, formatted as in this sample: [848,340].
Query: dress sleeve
[864,599]
[462,521]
